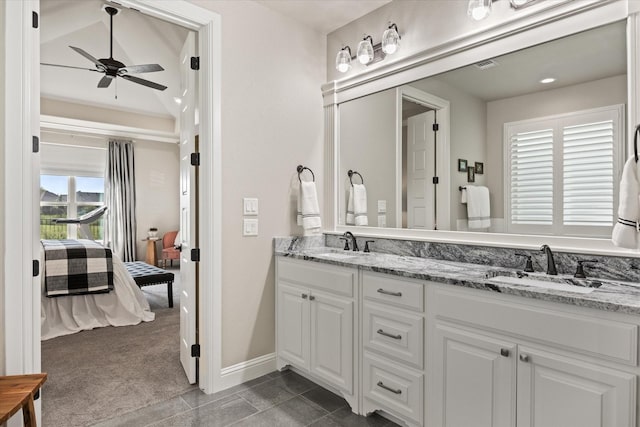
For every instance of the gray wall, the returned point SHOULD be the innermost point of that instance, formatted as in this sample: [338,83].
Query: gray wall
[2,186]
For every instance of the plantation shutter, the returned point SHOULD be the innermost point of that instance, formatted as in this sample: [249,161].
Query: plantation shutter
[588,174]
[532,177]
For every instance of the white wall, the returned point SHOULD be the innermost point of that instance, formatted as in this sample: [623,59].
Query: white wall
[598,93]
[272,120]
[368,146]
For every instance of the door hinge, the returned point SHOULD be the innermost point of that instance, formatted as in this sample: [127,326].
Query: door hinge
[34,19]
[195,350]
[435,180]
[195,159]
[35,144]
[195,254]
[35,268]
[195,62]
[436,127]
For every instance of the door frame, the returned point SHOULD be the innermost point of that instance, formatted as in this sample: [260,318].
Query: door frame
[21,119]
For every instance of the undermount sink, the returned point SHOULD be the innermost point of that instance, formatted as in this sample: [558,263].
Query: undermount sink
[558,284]
[341,255]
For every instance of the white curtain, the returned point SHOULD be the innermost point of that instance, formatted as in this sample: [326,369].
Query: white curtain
[120,194]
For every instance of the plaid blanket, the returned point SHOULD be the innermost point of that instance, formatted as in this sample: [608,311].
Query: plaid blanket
[76,267]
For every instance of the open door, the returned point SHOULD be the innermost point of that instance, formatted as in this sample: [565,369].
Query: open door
[420,171]
[188,210]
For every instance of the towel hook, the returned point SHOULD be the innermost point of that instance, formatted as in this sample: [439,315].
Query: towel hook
[351,173]
[635,142]
[301,169]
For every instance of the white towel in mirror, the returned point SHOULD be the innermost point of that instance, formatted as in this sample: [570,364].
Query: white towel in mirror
[625,231]
[478,208]
[357,206]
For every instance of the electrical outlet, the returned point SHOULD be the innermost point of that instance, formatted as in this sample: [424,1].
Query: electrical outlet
[249,227]
[250,206]
[382,220]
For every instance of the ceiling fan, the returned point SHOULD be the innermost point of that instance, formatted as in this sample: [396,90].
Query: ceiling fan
[112,68]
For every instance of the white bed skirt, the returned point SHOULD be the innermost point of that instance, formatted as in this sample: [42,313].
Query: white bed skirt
[125,305]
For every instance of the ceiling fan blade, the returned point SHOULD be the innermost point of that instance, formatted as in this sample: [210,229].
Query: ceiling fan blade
[68,66]
[89,57]
[105,81]
[145,68]
[143,82]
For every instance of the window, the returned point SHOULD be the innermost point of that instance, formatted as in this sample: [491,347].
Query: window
[69,197]
[562,172]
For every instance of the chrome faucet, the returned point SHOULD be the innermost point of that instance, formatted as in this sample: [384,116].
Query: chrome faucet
[551,265]
[349,235]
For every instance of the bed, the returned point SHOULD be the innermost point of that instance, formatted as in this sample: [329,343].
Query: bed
[122,306]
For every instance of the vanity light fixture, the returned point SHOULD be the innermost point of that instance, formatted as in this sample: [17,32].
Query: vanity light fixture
[365,50]
[343,59]
[390,39]
[547,80]
[480,9]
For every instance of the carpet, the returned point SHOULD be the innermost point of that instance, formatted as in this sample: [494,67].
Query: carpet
[106,372]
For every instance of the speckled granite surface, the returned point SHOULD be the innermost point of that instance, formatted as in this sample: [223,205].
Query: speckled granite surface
[611,295]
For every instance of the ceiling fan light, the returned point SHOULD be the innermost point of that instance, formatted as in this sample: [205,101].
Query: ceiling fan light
[479,9]
[343,59]
[365,50]
[390,40]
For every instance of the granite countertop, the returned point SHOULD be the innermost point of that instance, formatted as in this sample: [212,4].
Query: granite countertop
[611,295]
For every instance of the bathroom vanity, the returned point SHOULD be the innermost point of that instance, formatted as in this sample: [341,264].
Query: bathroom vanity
[431,343]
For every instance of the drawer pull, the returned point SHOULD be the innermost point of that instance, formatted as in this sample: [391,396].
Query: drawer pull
[392,390]
[393,294]
[387,334]
[304,296]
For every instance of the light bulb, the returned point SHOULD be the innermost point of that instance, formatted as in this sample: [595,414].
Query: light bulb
[479,9]
[343,59]
[390,40]
[365,51]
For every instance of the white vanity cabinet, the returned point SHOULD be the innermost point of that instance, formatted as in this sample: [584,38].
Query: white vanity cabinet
[497,361]
[315,318]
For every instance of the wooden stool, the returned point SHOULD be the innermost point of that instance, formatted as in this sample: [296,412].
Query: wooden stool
[17,391]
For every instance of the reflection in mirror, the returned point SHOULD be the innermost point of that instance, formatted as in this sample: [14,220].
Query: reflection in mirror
[548,152]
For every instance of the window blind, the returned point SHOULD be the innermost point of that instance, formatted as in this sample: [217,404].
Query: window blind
[588,174]
[532,177]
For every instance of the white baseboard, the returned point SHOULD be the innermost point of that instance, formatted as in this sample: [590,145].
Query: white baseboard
[246,371]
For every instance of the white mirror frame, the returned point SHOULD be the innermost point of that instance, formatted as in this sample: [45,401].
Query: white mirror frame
[546,25]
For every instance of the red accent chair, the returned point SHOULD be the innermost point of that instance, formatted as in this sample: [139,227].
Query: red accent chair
[169,251]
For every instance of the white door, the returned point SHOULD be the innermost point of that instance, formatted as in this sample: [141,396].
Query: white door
[188,225]
[475,380]
[558,391]
[293,325]
[420,171]
[332,339]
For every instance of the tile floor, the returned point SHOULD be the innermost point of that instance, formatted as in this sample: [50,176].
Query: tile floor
[277,399]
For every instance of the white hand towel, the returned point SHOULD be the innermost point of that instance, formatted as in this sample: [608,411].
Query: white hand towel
[351,219]
[625,231]
[360,204]
[478,209]
[310,211]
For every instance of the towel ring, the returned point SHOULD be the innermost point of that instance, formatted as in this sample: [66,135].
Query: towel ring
[301,169]
[635,142]
[462,188]
[351,173]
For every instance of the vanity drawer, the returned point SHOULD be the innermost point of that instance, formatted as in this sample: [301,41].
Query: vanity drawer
[384,288]
[394,333]
[392,388]
[337,280]
[572,330]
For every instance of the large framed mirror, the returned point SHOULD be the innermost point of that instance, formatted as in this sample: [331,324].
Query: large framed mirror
[542,129]
[482,112]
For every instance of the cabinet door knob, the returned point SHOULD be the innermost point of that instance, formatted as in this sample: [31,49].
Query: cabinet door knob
[386,387]
[311,298]
[524,358]
[304,296]
[505,352]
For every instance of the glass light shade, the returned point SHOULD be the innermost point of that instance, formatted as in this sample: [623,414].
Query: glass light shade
[518,3]
[365,51]
[479,9]
[390,40]
[343,60]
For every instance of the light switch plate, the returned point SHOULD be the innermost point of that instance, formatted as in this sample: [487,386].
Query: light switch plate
[250,227]
[250,206]
[382,206]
